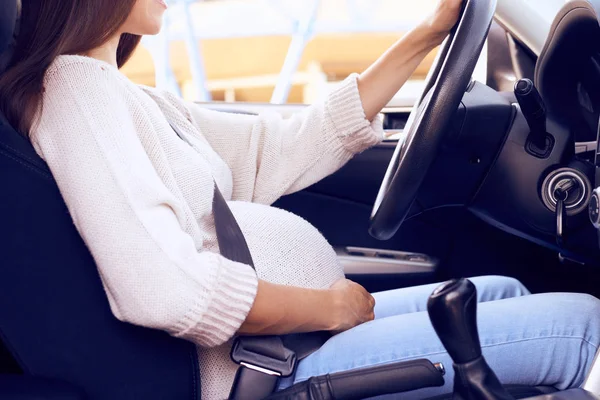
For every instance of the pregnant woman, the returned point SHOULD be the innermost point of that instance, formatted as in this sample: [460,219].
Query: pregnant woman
[137,168]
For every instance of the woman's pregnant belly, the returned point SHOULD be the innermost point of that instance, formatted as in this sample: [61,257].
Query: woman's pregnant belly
[286,249]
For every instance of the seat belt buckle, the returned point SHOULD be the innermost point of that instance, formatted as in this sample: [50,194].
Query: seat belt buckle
[264,354]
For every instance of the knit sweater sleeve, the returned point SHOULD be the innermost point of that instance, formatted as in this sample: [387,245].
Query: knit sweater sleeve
[271,156]
[151,270]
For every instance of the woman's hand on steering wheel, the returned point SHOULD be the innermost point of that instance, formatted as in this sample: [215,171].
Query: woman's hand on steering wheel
[382,80]
[444,18]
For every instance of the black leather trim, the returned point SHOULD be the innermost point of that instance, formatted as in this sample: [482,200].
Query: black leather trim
[366,382]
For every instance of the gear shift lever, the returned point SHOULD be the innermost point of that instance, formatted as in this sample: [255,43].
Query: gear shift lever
[453,312]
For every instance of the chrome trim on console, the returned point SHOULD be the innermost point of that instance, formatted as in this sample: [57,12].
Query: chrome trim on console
[363,261]
[584,147]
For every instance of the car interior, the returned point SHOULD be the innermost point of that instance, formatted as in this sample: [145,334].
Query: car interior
[501,178]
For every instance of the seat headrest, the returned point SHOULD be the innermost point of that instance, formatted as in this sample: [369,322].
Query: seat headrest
[9,16]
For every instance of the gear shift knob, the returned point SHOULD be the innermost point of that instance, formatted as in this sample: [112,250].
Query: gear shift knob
[453,312]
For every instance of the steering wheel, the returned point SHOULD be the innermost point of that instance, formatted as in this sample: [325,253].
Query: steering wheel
[426,127]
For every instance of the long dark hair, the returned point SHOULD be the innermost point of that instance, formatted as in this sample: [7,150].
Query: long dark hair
[49,28]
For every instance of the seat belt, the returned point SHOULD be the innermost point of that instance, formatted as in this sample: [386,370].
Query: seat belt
[262,359]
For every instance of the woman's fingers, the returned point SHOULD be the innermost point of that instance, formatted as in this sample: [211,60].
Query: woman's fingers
[354,305]
[445,17]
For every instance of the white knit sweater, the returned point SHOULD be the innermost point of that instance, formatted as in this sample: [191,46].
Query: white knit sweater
[141,198]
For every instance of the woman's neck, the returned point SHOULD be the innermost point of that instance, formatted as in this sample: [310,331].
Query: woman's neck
[107,52]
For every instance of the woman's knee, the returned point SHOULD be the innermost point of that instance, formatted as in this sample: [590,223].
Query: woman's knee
[584,306]
[496,287]
[568,314]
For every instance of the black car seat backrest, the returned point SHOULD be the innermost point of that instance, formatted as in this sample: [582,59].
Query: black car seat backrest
[55,319]
[8,19]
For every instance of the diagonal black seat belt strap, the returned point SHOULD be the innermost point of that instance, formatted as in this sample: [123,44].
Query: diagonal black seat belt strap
[232,243]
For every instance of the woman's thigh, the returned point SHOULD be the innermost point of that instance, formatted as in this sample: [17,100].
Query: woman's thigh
[414,299]
[547,339]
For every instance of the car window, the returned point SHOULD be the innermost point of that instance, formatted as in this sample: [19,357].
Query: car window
[547,9]
[278,51]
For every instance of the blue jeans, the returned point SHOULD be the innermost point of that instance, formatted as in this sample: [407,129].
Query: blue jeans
[546,339]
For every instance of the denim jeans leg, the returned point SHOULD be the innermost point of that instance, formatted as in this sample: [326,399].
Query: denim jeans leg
[546,339]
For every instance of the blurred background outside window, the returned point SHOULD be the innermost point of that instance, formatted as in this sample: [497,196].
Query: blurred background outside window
[274,51]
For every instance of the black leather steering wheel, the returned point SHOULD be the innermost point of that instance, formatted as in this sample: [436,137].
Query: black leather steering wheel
[426,127]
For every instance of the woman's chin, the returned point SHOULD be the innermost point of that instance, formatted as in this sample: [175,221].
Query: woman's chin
[150,28]
[153,30]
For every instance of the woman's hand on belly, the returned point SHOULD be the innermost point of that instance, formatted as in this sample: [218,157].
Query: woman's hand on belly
[355,305]
[280,310]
